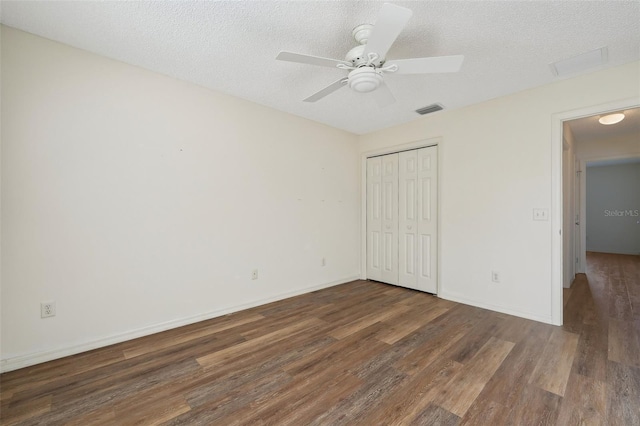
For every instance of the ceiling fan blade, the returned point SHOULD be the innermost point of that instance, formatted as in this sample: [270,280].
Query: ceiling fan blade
[391,21]
[327,90]
[308,59]
[383,96]
[432,65]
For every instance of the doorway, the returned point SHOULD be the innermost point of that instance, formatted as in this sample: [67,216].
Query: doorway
[587,142]
[561,201]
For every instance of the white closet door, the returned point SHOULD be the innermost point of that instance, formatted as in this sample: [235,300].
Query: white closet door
[389,219]
[427,216]
[408,221]
[374,218]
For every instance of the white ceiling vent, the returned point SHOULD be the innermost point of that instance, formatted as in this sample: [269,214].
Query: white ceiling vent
[580,63]
[429,109]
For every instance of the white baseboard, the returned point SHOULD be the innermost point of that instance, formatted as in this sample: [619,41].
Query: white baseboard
[514,312]
[626,253]
[26,360]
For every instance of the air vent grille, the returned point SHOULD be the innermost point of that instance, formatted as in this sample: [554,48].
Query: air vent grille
[429,109]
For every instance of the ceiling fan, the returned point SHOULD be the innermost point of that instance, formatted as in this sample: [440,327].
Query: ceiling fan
[367,63]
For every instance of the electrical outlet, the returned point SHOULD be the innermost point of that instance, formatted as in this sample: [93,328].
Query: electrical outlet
[47,309]
[323,262]
[495,276]
[254,274]
[540,214]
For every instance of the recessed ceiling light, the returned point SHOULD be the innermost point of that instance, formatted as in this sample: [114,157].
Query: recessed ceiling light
[611,118]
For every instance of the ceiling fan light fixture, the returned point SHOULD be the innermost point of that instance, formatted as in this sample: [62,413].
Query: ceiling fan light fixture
[611,118]
[365,79]
[367,62]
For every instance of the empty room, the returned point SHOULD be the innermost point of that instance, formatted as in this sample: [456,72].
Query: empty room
[319,213]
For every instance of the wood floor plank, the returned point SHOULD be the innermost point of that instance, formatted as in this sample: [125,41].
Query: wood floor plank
[213,359]
[359,346]
[535,406]
[392,353]
[360,353]
[435,415]
[220,392]
[399,327]
[227,405]
[117,391]
[438,339]
[566,294]
[592,313]
[356,405]
[486,413]
[590,359]
[624,345]
[189,336]
[573,313]
[584,403]
[273,407]
[100,417]
[43,375]
[505,388]
[218,383]
[415,395]
[367,320]
[619,303]
[554,366]
[154,413]
[85,384]
[17,413]
[631,272]
[463,388]
[623,394]
[477,338]
[512,329]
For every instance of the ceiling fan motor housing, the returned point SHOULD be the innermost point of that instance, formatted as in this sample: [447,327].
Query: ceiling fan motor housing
[357,57]
[365,79]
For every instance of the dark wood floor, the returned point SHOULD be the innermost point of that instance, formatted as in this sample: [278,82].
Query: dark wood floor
[361,353]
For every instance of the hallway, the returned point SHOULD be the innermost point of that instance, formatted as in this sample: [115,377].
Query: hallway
[603,307]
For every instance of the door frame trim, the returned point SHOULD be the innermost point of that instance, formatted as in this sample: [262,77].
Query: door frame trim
[422,143]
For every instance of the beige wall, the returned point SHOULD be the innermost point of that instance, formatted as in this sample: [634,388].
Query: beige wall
[496,167]
[608,148]
[138,202]
[613,208]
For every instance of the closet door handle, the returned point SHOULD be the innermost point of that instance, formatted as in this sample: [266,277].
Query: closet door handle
[409,227]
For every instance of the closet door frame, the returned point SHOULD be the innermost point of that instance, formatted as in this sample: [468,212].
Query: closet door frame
[363,202]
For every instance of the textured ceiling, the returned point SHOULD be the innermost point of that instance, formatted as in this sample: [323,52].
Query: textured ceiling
[230,46]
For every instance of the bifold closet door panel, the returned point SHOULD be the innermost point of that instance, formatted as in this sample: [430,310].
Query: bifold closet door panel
[389,271]
[407,219]
[374,218]
[427,215]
